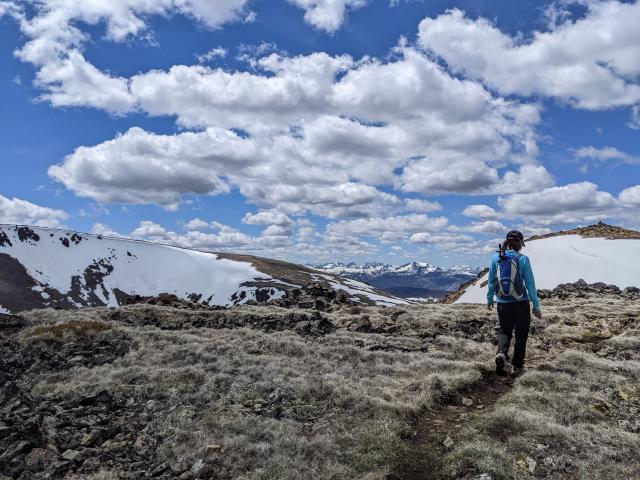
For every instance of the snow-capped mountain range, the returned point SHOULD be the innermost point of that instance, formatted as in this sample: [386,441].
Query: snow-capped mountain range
[415,279]
[42,267]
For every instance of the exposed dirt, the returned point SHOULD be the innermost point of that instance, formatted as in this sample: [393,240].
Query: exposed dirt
[435,431]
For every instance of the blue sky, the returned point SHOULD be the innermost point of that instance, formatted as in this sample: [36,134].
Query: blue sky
[313,130]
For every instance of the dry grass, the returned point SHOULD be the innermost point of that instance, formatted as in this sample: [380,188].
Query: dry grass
[285,406]
[73,327]
[280,405]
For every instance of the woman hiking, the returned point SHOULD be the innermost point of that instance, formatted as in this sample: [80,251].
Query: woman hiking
[511,282]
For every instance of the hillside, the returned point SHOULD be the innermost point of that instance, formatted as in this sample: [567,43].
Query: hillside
[42,267]
[598,253]
[255,392]
[415,279]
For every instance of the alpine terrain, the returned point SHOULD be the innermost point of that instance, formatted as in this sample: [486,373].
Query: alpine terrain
[317,381]
[42,267]
[415,279]
[598,253]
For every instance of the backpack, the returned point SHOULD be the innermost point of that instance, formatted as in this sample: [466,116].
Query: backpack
[509,277]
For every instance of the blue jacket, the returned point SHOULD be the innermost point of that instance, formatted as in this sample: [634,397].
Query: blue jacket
[527,276]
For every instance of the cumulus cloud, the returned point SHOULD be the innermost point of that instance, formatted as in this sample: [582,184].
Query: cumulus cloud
[418,205]
[575,202]
[604,154]
[591,62]
[15,210]
[443,239]
[55,43]
[196,224]
[267,217]
[328,15]
[630,196]
[386,229]
[217,52]
[488,226]
[105,230]
[480,211]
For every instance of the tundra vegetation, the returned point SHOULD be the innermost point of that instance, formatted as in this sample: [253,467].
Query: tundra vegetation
[176,390]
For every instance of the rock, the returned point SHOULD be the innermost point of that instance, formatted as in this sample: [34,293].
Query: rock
[40,457]
[211,449]
[467,401]
[71,455]
[362,325]
[448,442]
[531,464]
[17,449]
[549,461]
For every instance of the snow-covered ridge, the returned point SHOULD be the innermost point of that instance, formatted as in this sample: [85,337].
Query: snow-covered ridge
[52,267]
[568,258]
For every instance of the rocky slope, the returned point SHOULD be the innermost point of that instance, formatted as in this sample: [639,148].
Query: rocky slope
[42,267]
[415,279]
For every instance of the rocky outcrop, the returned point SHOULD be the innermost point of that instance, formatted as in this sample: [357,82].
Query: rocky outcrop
[598,230]
[583,289]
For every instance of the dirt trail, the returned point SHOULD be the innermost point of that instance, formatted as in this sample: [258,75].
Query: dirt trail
[435,430]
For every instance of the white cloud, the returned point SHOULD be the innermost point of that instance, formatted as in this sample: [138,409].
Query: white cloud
[421,206]
[444,240]
[276,231]
[630,196]
[480,211]
[15,210]
[328,15]
[488,226]
[592,62]
[149,229]
[217,52]
[102,229]
[267,217]
[196,224]
[634,121]
[364,119]
[386,229]
[55,43]
[604,154]
[575,202]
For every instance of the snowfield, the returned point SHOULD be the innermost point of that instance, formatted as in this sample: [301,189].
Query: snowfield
[568,258]
[92,270]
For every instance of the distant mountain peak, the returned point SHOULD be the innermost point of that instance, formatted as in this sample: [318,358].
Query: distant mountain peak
[413,279]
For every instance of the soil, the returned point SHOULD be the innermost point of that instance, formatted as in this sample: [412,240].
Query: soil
[435,430]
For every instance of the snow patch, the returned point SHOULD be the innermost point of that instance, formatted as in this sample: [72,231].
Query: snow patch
[569,258]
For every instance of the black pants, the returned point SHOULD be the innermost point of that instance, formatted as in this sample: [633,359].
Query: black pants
[514,315]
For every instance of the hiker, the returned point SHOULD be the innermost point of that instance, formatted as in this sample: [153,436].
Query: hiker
[511,281]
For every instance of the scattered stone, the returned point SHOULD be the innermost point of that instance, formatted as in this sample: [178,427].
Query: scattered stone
[448,442]
[71,455]
[467,402]
[211,449]
[531,464]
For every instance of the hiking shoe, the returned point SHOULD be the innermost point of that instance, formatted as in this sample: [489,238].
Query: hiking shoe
[501,361]
[517,371]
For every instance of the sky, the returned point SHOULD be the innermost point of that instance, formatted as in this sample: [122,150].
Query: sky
[321,130]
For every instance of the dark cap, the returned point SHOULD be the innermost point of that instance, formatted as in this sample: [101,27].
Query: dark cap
[515,235]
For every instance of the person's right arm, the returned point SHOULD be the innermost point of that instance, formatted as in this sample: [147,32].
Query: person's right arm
[491,285]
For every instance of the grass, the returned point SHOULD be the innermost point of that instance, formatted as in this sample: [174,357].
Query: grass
[339,406]
[74,327]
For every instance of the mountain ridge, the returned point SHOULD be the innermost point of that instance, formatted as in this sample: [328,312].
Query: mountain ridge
[409,280]
[48,267]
